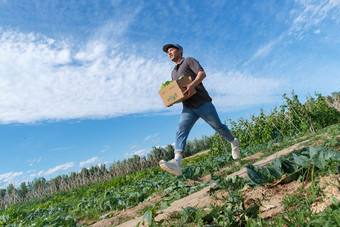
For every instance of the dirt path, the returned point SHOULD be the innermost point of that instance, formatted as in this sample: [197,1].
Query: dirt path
[271,203]
[200,198]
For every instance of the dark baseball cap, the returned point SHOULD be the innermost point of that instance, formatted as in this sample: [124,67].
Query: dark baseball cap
[167,46]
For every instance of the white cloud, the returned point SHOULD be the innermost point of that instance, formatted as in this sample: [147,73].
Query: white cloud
[266,49]
[106,148]
[44,79]
[141,153]
[309,16]
[151,137]
[94,50]
[40,173]
[318,31]
[234,90]
[8,178]
[313,12]
[60,148]
[89,161]
[57,168]
[134,147]
[31,162]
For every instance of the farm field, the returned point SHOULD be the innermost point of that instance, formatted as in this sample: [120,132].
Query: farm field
[235,199]
[288,181]
[213,190]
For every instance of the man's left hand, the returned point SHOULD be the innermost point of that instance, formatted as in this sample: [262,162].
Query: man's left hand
[189,89]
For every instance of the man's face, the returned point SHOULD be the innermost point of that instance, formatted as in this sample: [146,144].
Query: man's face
[175,54]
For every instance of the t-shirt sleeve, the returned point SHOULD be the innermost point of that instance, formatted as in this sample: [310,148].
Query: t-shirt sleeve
[194,65]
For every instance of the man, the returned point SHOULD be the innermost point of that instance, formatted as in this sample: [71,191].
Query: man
[199,105]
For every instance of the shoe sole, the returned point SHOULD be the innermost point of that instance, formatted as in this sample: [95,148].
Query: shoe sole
[166,168]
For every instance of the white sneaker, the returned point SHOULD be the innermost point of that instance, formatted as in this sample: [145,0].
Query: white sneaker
[235,150]
[172,167]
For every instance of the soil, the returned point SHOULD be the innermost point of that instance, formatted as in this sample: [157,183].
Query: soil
[317,143]
[270,198]
[331,188]
[127,214]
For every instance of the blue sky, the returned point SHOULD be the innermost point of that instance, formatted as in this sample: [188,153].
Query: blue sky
[79,80]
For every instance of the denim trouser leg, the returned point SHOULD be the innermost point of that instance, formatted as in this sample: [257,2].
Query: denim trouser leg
[189,117]
[187,121]
[208,112]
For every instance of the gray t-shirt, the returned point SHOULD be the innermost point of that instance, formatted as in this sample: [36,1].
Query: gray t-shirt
[189,67]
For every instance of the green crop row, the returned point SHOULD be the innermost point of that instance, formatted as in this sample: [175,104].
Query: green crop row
[91,202]
[232,212]
[289,169]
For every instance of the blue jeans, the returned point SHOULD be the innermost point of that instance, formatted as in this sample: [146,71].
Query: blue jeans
[189,117]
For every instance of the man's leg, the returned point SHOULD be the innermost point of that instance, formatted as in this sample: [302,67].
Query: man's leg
[208,112]
[187,121]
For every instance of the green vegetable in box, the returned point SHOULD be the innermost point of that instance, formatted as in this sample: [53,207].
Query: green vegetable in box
[168,82]
[165,84]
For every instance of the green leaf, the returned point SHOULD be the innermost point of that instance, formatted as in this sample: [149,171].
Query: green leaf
[4,218]
[331,155]
[253,175]
[211,215]
[314,152]
[335,202]
[166,83]
[188,172]
[301,160]
[277,166]
[274,172]
[164,206]
[288,166]
[293,176]
[188,214]
[252,211]
[148,215]
[259,175]
[198,170]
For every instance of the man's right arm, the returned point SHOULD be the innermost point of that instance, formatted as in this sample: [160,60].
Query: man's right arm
[189,89]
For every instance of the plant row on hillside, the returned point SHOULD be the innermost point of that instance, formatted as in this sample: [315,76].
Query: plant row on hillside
[290,119]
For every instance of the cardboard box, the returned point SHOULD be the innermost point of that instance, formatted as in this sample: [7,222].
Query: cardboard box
[173,92]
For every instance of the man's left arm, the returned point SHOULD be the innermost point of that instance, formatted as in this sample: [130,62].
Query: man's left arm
[190,87]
